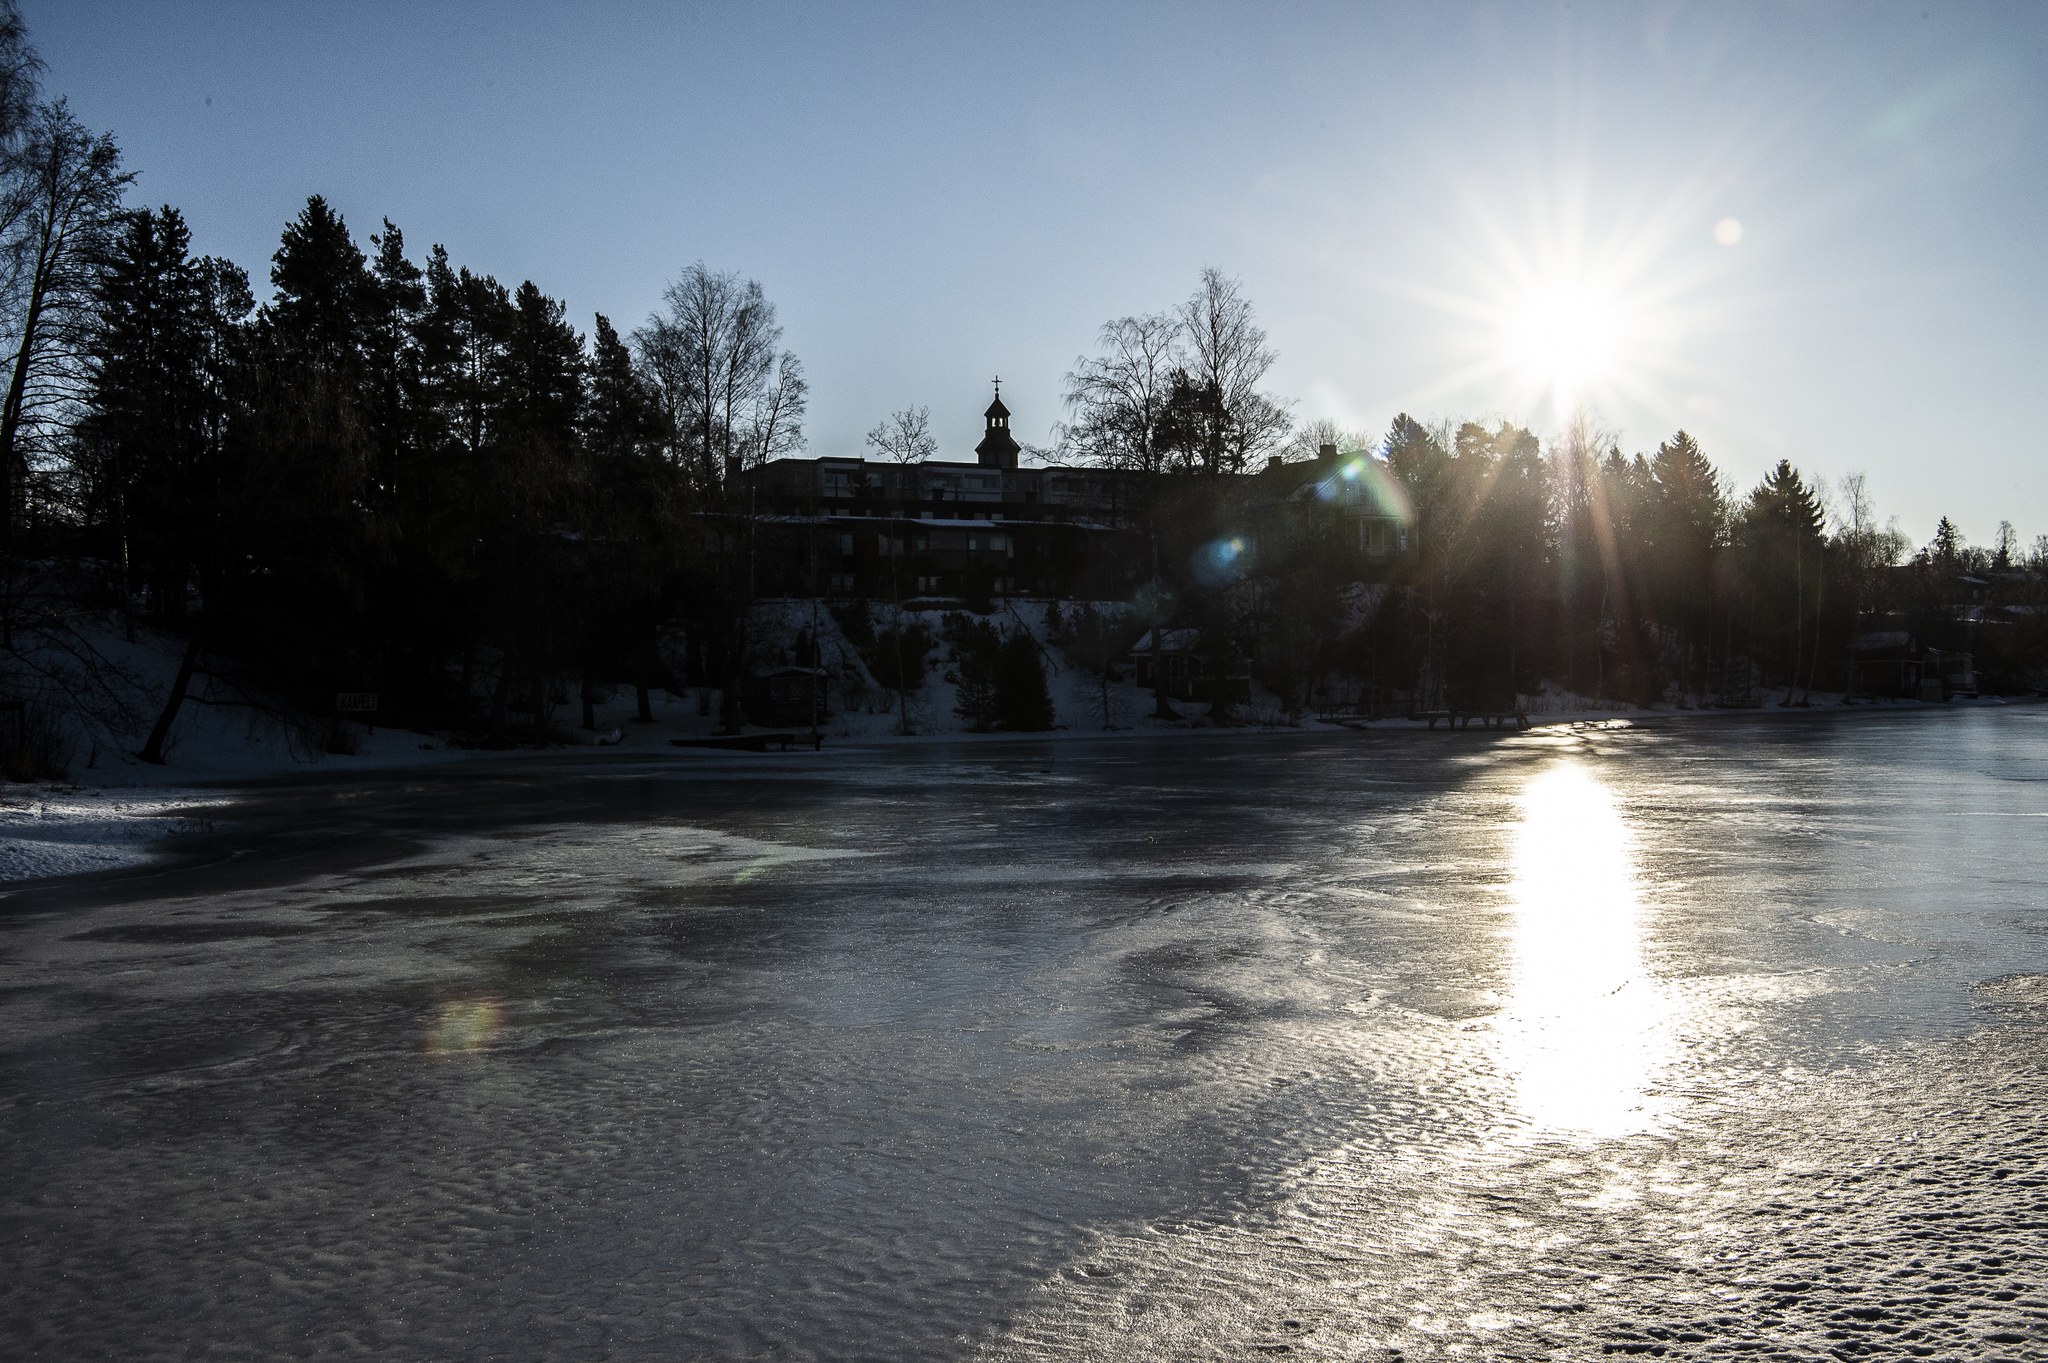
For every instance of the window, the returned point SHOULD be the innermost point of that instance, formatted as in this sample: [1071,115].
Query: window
[846,545]
[842,584]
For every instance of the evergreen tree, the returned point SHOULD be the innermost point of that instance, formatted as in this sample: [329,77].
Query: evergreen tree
[1688,519]
[1782,543]
[1946,548]
[325,296]
[464,337]
[1022,703]
[395,301]
[146,423]
[635,511]
[543,372]
[622,419]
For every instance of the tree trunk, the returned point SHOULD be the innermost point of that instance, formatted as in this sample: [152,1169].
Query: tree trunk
[10,412]
[153,750]
[644,701]
[501,693]
[1160,709]
[589,702]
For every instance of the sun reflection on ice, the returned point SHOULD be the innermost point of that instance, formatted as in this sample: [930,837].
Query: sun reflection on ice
[1586,1026]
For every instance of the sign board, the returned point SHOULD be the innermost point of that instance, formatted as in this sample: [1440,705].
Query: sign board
[355,702]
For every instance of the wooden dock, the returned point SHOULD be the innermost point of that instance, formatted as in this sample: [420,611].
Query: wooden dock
[754,742]
[1488,719]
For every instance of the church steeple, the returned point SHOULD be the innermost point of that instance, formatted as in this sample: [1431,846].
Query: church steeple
[998,448]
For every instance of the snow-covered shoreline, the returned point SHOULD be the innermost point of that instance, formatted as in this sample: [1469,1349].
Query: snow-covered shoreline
[124,819]
[114,810]
[53,830]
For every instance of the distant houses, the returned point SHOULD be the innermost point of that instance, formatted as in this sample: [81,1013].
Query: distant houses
[837,526]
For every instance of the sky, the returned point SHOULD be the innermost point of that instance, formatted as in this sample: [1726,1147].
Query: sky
[1799,231]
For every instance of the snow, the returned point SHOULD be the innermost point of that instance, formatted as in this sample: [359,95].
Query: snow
[63,831]
[114,810]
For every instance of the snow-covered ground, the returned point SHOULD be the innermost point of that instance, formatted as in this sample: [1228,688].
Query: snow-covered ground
[60,831]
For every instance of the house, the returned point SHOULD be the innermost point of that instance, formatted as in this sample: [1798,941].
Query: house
[947,529]
[1893,664]
[952,530]
[1358,499]
[1193,672]
[786,696]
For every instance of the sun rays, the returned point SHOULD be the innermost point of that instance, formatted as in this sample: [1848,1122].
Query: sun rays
[1559,303]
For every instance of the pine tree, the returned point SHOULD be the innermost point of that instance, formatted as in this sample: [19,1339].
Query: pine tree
[1782,543]
[543,372]
[1021,701]
[464,336]
[394,302]
[622,420]
[1946,548]
[325,295]
[146,423]
[1688,520]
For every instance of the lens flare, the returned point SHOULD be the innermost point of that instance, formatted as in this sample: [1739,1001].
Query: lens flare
[1366,483]
[464,1026]
[1223,560]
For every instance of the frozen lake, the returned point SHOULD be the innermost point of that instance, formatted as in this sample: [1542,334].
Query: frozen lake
[1715,1039]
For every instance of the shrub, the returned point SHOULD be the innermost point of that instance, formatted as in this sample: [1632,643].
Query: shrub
[976,648]
[856,624]
[1021,700]
[900,655]
[32,747]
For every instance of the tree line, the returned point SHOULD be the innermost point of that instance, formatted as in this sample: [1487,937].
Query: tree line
[392,473]
[1641,578]
[396,473]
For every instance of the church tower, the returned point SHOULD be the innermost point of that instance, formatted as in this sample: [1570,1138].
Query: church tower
[998,448]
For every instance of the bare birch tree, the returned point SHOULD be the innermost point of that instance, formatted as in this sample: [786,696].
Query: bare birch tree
[63,206]
[1227,358]
[905,436]
[1117,397]
[712,354]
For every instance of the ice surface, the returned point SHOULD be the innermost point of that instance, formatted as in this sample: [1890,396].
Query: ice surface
[1129,1050]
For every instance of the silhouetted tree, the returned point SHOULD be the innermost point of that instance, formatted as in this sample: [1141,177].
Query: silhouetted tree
[63,211]
[905,436]
[1022,703]
[1116,399]
[1780,539]
[1231,421]
[1688,519]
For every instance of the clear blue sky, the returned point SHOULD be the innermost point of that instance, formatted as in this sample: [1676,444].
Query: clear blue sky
[1413,195]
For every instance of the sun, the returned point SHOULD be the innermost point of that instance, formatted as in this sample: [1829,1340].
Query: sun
[1573,302]
[1565,337]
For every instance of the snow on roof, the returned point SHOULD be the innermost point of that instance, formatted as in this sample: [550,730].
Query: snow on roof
[1170,641]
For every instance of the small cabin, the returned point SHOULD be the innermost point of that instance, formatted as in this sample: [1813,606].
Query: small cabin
[1193,672]
[1892,664]
[786,696]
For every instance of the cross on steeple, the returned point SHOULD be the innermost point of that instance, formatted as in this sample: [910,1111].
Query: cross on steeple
[998,448]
